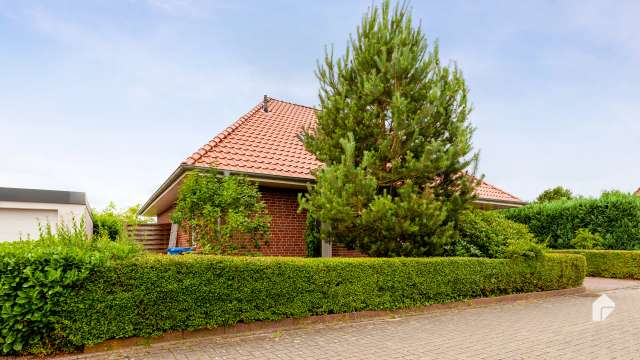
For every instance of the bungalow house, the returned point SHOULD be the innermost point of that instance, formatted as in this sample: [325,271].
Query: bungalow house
[264,145]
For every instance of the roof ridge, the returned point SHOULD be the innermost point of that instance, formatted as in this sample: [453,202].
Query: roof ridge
[499,189]
[197,155]
[292,103]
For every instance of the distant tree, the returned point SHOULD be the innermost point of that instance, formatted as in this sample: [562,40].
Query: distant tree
[111,222]
[222,213]
[557,193]
[394,135]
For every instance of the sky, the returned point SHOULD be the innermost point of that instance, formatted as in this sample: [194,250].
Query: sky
[108,97]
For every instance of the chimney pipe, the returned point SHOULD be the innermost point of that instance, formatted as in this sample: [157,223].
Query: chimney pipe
[265,106]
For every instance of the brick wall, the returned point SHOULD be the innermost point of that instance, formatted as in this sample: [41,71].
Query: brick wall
[287,226]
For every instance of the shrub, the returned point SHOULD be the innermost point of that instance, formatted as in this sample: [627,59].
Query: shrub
[619,264]
[36,275]
[524,249]
[488,234]
[312,237]
[152,294]
[111,222]
[223,214]
[615,216]
[585,240]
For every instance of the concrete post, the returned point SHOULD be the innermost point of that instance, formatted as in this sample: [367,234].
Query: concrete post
[173,235]
[326,245]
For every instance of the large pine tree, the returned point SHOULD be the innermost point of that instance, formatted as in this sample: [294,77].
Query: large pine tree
[394,135]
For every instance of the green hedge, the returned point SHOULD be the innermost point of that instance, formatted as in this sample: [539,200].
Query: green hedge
[615,216]
[150,295]
[37,276]
[619,264]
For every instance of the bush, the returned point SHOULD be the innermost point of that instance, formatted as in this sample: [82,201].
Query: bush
[585,240]
[36,275]
[223,214]
[111,223]
[615,216]
[153,294]
[524,249]
[485,233]
[618,264]
[312,237]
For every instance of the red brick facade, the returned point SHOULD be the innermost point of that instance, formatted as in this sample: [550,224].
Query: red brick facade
[287,226]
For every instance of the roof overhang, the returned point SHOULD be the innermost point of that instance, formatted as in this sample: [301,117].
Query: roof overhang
[167,193]
[498,204]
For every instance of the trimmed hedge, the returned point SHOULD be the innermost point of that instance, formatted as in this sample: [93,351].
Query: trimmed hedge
[619,264]
[153,294]
[615,216]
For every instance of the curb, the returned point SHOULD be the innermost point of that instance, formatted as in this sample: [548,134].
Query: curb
[291,324]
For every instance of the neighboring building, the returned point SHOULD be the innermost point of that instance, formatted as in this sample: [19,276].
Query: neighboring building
[23,210]
[637,193]
[264,145]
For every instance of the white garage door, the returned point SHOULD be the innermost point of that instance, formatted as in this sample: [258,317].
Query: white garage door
[23,223]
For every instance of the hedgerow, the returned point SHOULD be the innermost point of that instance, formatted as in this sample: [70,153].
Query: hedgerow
[619,264]
[153,294]
[36,276]
[614,216]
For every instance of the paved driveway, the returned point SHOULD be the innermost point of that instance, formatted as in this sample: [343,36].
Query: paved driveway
[553,328]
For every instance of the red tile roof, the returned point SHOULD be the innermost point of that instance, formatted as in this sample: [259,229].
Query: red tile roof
[486,191]
[263,143]
[267,143]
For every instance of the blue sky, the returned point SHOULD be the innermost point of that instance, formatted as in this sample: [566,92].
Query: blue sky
[109,96]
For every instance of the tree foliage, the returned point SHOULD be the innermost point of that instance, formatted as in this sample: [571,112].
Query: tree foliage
[111,222]
[557,193]
[222,214]
[394,135]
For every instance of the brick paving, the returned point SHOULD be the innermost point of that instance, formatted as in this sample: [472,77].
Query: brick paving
[552,328]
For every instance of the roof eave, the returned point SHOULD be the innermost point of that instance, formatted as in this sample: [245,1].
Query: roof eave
[262,179]
[278,181]
[177,173]
[505,203]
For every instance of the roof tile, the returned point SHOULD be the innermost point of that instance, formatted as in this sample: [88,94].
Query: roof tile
[268,143]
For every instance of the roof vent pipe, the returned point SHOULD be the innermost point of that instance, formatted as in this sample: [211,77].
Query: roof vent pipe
[265,106]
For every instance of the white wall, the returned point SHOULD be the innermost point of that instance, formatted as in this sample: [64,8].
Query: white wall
[20,219]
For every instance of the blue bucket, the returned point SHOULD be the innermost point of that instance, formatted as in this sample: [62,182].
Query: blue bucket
[179,250]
